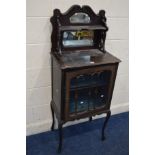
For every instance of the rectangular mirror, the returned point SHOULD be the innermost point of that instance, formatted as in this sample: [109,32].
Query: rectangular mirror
[78,38]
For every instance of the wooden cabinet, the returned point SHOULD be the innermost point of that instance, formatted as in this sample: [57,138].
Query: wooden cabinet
[83,73]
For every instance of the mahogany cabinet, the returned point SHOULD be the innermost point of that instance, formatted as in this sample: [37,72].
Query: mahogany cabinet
[83,73]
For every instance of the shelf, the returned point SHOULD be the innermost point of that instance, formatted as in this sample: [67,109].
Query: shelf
[86,99]
[87,87]
[93,27]
[84,107]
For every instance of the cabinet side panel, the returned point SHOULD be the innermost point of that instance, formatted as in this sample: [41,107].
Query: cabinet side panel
[57,86]
[113,83]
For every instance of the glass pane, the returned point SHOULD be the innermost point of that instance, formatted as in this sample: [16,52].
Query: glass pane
[78,38]
[84,80]
[100,96]
[80,18]
[72,102]
[73,82]
[104,77]
[83,99]
[90,80]
[90,91]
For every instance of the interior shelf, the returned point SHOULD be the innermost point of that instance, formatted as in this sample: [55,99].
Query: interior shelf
[89,81]
[85,104]
[85,27]
[87,99]
[80,87]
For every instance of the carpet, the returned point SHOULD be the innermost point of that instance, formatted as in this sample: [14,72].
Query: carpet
[84,139]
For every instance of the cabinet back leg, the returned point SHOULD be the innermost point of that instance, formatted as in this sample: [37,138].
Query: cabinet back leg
[90,119]
[53,122]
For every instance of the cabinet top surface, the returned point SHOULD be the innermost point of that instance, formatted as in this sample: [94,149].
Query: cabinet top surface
[84,58]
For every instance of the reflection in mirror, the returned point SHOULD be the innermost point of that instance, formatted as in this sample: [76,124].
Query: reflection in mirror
[78,38]
[80,18]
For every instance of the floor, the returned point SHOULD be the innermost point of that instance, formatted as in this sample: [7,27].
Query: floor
[85,139]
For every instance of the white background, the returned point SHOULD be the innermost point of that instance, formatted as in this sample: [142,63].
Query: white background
[13,77]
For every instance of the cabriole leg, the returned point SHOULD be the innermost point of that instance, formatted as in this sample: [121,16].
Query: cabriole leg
[52,127]
[105,124]
[60,137]
[90,119]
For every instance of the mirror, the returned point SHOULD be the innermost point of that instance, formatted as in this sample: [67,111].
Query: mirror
[78,38]
[80,18]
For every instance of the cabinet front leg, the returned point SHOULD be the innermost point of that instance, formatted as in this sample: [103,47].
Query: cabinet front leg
[60,137]
[105,124]
[53,122]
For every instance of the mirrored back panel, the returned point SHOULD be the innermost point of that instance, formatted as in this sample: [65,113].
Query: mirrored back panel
[78,38]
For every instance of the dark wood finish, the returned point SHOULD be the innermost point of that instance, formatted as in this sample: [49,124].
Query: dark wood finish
[60,137]
[72,60]
[52,110]
[96,19]
[60,23]
[93,27]
[90,70]
[105,124]
[68,63]
[56,84]
[90,119]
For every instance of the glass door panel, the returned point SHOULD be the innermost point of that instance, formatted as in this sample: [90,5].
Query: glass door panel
[100,96]
[83,99]
[89,91]
[72,102]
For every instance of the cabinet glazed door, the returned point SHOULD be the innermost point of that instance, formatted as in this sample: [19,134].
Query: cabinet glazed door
[89,90]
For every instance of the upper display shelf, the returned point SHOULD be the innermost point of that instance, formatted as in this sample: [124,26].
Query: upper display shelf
[83,27]
[78,28]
